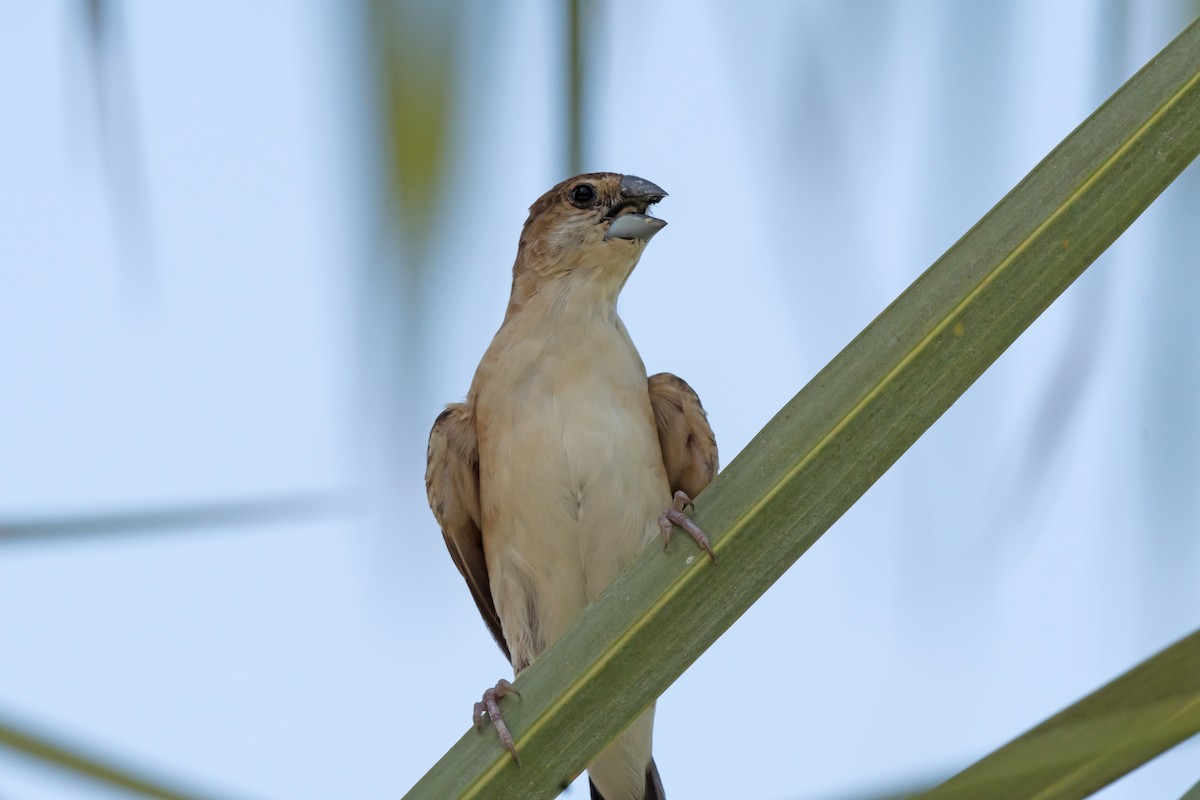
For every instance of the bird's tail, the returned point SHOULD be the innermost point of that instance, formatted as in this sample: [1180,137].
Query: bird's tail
[654,787]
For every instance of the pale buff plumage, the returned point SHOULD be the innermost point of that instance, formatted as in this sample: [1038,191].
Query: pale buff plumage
[551,477]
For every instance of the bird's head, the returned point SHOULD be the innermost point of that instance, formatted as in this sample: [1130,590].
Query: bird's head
[594,225]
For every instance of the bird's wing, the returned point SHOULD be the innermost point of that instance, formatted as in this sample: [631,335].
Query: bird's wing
[452,483]
[689,448]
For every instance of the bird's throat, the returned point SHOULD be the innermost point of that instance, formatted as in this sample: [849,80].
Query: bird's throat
[588,291]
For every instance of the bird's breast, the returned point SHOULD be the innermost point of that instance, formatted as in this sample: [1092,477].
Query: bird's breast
[571,474]
[572,406]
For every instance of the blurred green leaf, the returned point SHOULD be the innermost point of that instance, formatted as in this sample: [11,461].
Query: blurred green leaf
[72,758]
[824,449]
[414,47]
[575,86]
[293,507]
[1146,711]
[1192,793]
[118,128]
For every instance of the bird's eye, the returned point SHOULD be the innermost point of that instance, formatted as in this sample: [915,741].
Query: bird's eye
[583,194]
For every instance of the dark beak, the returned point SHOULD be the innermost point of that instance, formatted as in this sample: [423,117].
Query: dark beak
[634,187]
[629,218]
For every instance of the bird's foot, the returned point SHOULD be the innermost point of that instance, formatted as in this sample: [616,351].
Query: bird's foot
[674,516]
[490,704]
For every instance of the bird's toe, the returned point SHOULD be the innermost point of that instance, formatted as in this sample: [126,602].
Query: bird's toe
[490,705]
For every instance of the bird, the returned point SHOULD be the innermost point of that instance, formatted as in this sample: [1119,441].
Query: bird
[566,459]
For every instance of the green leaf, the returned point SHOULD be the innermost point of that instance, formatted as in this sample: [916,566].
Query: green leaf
[576,31]
[170,519]
[837,436]
[1151,708]
[414,63]
[75,759]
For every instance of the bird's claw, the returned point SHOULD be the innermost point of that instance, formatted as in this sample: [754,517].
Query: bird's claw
[674,516]
[490,705]
[682,502]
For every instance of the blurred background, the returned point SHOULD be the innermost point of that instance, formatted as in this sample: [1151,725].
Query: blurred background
[249,250]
